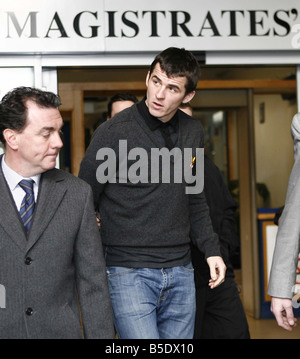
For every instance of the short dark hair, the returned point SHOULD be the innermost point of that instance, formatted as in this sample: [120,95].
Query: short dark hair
[120,97]
[13,109]
[179,62]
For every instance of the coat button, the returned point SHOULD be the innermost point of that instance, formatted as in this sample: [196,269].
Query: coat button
[28,261]
[29,311]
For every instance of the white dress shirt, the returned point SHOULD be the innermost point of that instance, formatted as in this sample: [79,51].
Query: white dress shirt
[13,179]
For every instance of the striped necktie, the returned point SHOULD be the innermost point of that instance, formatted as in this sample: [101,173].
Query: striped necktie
[27,206]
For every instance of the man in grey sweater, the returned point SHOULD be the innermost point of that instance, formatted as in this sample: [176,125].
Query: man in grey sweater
[147,218]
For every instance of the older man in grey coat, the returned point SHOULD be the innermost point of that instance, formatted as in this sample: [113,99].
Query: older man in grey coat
[51,260]
[283,271]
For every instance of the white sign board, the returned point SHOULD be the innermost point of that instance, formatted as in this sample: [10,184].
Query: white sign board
[100,26]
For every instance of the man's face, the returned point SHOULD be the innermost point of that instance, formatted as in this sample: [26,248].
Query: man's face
[38,145]
[165,94]
[119,106]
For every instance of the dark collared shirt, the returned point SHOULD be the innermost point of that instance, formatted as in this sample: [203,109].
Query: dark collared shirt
[167,131]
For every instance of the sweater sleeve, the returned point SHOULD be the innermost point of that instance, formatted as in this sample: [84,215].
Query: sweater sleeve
[90,163]
[201,232]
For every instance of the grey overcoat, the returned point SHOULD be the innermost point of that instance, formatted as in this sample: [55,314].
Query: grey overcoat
[58,265]
[285,259]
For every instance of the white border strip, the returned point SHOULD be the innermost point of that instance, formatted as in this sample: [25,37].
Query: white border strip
[298,87]
[252,57]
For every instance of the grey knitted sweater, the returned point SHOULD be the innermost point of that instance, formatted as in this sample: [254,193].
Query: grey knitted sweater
[159,216]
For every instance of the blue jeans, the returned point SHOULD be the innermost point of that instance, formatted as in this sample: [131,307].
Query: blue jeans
[153,303]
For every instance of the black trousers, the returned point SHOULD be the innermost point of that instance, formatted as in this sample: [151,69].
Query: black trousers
[220,313]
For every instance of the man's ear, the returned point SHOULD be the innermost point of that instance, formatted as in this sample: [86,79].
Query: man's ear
[10,138]
[147,78]
[188,97]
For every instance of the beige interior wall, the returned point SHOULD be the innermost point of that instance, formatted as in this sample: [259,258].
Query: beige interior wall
[273,144]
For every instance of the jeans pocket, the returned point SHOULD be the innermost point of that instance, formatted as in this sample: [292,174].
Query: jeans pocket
[188,268]
[112,271]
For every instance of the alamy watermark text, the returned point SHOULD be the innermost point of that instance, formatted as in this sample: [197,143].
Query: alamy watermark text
[164,165]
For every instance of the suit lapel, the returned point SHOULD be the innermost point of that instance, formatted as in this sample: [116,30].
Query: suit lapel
[51,193]
[9,216]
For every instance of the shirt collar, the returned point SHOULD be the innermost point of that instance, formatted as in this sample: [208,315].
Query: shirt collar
[13,178]
[153,122]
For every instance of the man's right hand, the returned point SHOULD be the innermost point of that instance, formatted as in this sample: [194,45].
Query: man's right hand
[282,308]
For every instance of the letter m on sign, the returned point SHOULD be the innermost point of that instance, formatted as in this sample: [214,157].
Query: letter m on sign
[11,18]
[2,296]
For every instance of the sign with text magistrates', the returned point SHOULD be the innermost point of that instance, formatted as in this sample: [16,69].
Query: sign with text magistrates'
[106,26]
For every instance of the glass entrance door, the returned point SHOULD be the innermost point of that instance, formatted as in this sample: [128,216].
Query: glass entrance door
[221,146]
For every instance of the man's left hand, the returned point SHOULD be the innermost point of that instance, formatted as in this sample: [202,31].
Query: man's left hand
[217,271]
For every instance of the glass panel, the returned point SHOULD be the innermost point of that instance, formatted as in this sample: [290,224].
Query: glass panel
[220,134]
[274,158]
[214,123]
[12,77]
[95,111]
[220,139]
